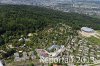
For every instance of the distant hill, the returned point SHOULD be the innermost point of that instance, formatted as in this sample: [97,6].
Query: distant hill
[24,19]
[90,1]
[45,2]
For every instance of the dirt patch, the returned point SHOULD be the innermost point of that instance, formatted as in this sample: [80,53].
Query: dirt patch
[95,34]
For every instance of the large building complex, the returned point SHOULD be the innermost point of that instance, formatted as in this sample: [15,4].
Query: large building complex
[42,53]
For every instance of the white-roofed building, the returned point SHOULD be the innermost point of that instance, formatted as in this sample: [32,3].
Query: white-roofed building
[87,30]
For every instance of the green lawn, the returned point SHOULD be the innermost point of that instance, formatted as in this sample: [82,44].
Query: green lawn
[98,31]
[94,40]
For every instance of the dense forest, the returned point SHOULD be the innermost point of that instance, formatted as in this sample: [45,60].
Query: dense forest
[17,19]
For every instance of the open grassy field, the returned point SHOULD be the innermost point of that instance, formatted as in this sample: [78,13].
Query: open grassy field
[94,40]
[98,31]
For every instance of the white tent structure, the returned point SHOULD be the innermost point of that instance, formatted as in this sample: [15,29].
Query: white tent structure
[87,30]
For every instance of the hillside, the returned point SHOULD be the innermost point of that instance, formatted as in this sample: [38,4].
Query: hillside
[31,18]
